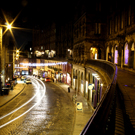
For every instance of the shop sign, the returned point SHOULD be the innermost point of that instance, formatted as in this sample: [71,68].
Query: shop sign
[91,86]
[79,106]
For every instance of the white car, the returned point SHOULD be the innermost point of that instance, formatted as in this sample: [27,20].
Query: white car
[42,78]
[28,81]
[22,78]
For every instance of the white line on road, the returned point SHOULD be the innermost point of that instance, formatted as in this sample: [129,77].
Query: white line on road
[38,86]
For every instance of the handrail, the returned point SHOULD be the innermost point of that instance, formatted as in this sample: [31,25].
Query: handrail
[97,124]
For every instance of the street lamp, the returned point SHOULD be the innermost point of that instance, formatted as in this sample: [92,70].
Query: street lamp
[17,54]
[8,27]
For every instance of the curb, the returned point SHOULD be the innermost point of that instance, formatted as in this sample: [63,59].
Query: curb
[12,97]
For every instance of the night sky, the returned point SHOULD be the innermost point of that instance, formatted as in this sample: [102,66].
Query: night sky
[32,13]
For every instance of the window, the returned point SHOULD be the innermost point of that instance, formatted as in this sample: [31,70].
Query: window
[121,21]
[110,27]
[83,30]
[77,31]
[98,6]
[83,27]
[97,28]
[80,29]
[116,27]
[129,16]
[41,47]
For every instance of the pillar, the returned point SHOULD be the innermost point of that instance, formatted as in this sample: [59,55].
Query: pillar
[0,58]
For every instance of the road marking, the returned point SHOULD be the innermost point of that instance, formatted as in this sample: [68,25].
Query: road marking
[25,104]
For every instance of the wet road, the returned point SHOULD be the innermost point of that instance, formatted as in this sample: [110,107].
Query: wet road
[53,115]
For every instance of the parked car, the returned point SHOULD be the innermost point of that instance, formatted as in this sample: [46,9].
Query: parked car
[47,79]
[28,81]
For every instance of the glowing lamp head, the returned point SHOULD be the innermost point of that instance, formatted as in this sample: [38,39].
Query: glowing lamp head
[9,26]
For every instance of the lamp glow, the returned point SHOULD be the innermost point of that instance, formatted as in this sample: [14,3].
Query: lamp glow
[9,26]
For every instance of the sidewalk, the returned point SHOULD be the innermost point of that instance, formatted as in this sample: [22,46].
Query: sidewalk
[12,94]
[126,83]
[81,117]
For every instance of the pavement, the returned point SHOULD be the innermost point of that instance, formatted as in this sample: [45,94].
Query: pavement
[18,88]
[126,83]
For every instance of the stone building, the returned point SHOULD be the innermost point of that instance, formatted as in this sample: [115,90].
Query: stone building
[89,31]
[64,35]
[120,40]
[44,40]
[95,31]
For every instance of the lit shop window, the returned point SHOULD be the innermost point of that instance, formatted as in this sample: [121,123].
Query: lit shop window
[126,54]
[93,53]
[116,56]
[68,78]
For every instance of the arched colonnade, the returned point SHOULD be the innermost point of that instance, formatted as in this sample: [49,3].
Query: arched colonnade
[88,83]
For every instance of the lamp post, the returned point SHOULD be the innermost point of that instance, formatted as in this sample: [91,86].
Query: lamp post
[1,62]
[0,58]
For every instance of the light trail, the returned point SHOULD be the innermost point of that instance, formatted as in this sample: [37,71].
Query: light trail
[44,88]
[21,105]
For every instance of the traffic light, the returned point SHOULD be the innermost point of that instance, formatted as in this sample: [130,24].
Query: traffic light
[17,54]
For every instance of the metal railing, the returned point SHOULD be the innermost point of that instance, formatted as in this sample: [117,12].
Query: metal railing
[102,121]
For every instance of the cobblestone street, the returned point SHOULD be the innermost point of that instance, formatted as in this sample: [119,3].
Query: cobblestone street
[53,115]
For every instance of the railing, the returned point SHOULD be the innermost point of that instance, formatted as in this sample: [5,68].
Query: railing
[103,119]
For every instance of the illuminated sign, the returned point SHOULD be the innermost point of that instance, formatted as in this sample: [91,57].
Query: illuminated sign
[79,106]
[42,64]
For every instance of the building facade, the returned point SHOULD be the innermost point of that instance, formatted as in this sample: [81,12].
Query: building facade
[95,31]
[120,48]
[89,32]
